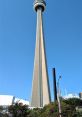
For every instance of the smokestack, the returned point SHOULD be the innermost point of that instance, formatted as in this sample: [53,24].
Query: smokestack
[54,84]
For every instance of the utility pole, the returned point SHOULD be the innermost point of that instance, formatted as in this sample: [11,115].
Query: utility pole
[58,96]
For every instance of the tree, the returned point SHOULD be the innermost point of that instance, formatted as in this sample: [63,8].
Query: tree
[18,110]
[1,109]
[51,110]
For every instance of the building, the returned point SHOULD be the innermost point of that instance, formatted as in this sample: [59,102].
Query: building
[40,85]
[71,95]
[7,100]
[80,95]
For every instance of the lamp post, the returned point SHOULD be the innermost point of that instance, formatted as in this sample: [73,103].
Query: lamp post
[58,96]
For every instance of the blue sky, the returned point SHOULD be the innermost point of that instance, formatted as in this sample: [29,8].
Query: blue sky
[63,38]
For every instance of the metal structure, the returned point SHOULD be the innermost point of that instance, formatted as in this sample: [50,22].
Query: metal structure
[40,85]
[54,83]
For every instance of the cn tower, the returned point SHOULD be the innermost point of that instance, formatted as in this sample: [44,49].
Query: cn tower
[40,84]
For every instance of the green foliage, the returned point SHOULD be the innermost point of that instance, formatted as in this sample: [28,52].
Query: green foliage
[68,109]
[35,112]
[74,102]
[19,110]
[1,109]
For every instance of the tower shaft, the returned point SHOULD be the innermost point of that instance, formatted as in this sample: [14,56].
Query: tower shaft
[40,86]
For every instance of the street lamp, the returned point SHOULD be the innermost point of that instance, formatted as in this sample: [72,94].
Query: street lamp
[58,96]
